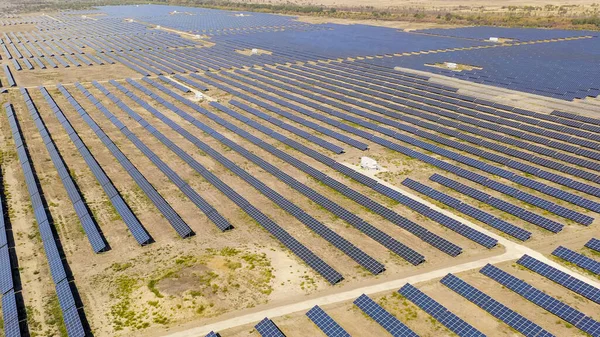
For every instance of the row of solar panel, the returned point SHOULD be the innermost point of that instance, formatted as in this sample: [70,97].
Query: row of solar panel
[10,311]
[502,205]
[393,217]
[560,179]
[83,214]
[466,160]
[469,210]
[9,76]
[183,186]
[435,116]
[300,120]
[299,132]
[511,113]
[289,241]
[504,160]
[538,297]
[64,291]
[161,204]
[115,198]
[577,259]
[584,119]
[429,237]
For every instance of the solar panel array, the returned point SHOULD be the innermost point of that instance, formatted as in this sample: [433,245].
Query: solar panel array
[288,240]
[469,210]
[415,259]
[436,216]
[70,314]
[10,311]
[582,288]
[500,204]
[329,327]
[439,312]
[577,259]
[538,297]
[560,75]
[121,207]
[494,308]
[520,34]
[427,105]
[193,196]
[161,204]
[9,76]
[558,193]
[85,217]
[388,321]
[593,244]
[266,328]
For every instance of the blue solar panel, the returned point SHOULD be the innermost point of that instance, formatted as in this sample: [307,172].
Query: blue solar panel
[439,312]
[329,327]
[384,318]
[161,204]
[538,297]
[590,292]
[579,260]
[519,212]
[266,328]
[212,334]
[493,307]
[593,244]
[300,250]
[117,201]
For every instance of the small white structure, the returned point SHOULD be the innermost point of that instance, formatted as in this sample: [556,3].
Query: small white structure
[367,163]
[84,16]
[197,36]
[451,65]
[158,27]
[254,51]
[199,96]
[494,39]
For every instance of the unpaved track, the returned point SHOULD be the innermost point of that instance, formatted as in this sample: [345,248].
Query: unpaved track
[513,251]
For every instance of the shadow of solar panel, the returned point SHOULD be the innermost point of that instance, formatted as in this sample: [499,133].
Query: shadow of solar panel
[439,312]
[593,244]
[558,308]
[266,328]
[384,318]
[329,327]
[493,307]
[590,292]
[579,260]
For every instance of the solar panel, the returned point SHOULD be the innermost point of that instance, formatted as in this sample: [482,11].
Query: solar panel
[94,237]
[579,260]
[384,318]
[590,292]
[519,212]
[593,244]
[469,210]
[212,334]
[266,328]
[538,297]
[117,201]
[493,307]
[161,204]
[6,278]
[439,312]
[288,240]
[329,327]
